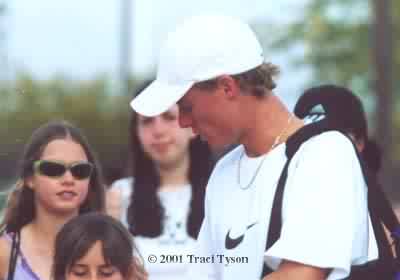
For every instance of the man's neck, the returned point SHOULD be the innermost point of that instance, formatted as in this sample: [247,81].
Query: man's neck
[270,123]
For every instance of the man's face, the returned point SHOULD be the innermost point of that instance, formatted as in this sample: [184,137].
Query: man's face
[209,113]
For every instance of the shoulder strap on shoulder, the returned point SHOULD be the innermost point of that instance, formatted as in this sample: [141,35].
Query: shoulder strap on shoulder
[293,143]
[13,255]
[378,205]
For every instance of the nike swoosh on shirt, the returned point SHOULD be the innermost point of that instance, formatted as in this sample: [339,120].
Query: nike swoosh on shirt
[232,243]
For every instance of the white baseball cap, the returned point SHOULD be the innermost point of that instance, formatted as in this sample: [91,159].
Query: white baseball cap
[202,48]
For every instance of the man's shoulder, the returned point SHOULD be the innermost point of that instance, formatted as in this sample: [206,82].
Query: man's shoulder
[329,142]
[331,151]
[330,155]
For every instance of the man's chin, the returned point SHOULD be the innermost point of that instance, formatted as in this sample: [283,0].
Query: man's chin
[216,146]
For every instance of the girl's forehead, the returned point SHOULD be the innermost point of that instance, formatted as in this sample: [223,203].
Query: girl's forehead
[64,149]
[93,255]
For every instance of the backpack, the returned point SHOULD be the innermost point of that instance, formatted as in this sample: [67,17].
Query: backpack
[387,266]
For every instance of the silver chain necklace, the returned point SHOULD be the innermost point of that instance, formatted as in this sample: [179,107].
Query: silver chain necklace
[276,142]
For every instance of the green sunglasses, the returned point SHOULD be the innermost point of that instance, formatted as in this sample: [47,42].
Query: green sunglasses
[79,170]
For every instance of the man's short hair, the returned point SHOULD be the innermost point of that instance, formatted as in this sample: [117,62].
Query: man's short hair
[257,81]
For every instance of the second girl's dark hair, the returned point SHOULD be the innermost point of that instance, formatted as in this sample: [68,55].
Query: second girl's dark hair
[145,212]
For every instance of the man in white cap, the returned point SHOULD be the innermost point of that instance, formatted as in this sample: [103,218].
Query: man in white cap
[214,68]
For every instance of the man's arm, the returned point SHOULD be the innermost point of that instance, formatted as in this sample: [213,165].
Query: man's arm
[296,271]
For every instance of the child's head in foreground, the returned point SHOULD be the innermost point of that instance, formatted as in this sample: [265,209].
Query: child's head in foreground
[95,246]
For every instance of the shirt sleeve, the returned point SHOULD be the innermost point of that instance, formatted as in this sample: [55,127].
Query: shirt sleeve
[124,186]
[325,220]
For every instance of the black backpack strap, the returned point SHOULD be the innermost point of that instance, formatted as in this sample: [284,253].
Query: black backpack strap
[13,255]
[379,207]
[381,213]
[293,143]
[275,224]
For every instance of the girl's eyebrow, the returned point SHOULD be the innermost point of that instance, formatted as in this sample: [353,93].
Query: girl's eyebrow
[85,265]
[106,266]
[80,265]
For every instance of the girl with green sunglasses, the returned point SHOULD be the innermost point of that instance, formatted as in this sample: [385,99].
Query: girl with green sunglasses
[59,178]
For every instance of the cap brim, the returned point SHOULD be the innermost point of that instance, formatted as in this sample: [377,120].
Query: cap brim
[158,97]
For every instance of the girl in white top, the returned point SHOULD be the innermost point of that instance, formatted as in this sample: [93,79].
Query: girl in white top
[163,205]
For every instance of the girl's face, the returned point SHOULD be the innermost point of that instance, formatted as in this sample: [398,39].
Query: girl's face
[93,266]
[57,191]
[162,139]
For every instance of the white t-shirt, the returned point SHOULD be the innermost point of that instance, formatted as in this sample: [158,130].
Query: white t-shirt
[325,219]
[174,242]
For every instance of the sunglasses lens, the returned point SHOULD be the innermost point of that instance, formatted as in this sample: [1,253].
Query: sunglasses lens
[51,169]
[81,170]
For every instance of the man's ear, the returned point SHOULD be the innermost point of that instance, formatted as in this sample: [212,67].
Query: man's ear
[229,86]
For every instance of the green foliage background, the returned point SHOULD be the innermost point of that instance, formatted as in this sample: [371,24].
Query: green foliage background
[101,114]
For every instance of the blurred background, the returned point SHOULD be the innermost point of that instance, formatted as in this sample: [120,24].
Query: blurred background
[81,61]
